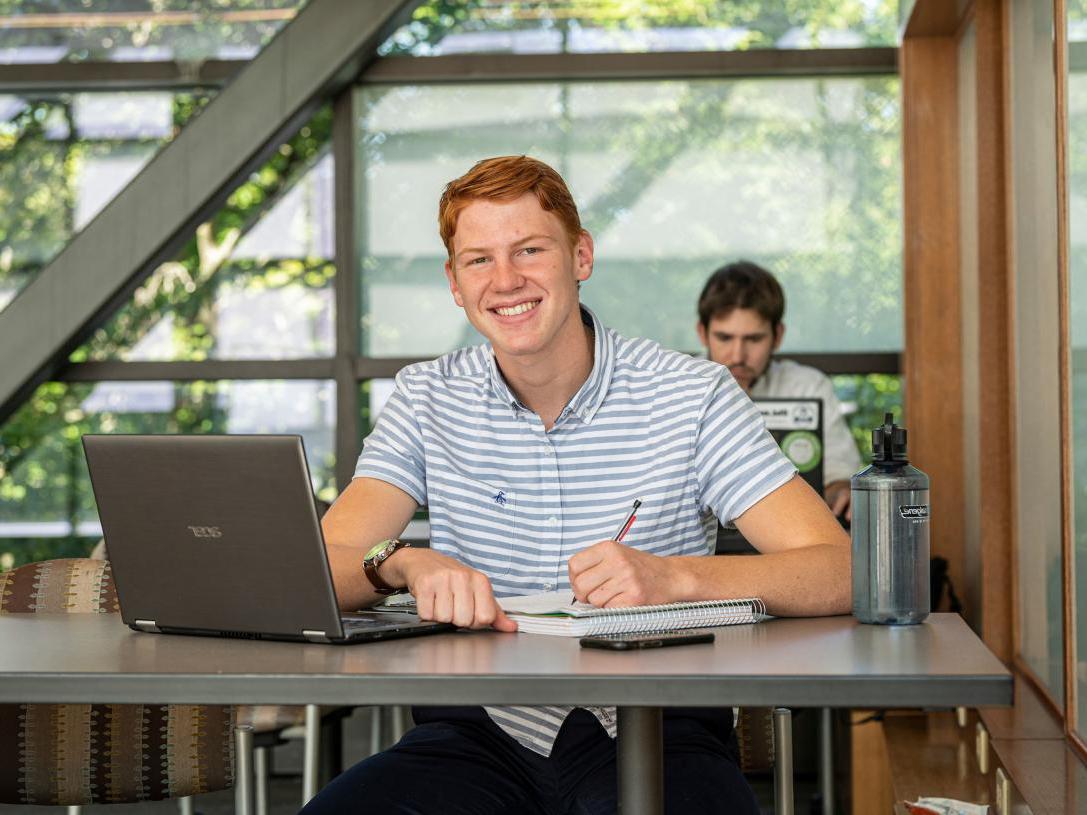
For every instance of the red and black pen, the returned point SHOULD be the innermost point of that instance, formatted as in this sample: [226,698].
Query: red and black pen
[629,522]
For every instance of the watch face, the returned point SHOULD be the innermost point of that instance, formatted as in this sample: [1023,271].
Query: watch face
[376,549]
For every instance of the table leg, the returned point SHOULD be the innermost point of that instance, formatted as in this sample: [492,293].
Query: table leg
[826,759]
[243,770]
[640,761]
[310,758]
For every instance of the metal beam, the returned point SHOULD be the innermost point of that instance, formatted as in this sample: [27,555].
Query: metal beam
[204,370]
[669,65]
[361,369]
[831,363]
[346,287]
[383,367]
[849,362]
[314,57]
[98,76]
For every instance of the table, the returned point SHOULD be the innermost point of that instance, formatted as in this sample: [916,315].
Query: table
[810,662]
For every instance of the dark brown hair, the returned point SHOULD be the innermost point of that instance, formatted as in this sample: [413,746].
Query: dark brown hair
[742,284]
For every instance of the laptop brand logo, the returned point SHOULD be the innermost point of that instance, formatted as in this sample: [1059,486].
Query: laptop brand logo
[206,532]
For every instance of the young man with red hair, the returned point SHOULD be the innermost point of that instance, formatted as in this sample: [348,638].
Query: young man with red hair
[528,451]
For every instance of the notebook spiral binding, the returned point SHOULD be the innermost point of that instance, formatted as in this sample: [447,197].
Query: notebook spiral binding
[672,617]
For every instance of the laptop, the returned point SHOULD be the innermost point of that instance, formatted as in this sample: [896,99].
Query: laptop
[219,536]
[797,427]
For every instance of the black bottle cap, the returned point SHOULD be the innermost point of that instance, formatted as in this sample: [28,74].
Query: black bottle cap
[889,442]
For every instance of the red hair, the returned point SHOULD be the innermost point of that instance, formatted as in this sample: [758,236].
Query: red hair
[505,178]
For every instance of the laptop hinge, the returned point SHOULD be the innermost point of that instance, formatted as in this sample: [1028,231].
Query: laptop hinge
[147,625]
[315,636]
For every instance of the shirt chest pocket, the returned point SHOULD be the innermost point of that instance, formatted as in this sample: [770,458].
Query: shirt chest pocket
[476,522]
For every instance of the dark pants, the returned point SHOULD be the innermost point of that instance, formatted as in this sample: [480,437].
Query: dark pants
[458,761]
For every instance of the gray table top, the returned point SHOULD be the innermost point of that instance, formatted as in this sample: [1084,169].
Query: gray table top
[829,661]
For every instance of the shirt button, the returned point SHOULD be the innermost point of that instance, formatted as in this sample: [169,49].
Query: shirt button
[548,586]
[552,521]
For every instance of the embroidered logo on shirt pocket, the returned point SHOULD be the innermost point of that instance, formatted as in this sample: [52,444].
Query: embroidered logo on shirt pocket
[476,522]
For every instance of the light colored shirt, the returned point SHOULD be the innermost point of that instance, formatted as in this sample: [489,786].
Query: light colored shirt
[516,502]
[786,379]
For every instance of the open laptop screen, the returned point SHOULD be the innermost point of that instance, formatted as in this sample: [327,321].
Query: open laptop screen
[797,427]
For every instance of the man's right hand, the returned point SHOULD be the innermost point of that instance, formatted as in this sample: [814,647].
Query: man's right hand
[446,590]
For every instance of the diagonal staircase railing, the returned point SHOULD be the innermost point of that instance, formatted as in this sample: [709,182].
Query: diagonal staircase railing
[318,54]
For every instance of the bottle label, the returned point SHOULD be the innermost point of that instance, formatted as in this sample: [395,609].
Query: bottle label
[914,512]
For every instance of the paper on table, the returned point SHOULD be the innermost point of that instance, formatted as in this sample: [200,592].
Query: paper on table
[553,613]
[552,603]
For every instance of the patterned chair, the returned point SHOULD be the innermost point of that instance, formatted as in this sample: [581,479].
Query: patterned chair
[275,724]
[75,754]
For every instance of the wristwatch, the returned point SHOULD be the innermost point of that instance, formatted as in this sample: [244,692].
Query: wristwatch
[375,557]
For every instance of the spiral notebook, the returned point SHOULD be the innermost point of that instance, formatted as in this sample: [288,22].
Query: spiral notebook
[554,613]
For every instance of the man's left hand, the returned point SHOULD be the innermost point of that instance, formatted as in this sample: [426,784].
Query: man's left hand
[611,575]
[837,494]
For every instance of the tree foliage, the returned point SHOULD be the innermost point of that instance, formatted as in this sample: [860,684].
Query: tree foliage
[187,30]
[42,473]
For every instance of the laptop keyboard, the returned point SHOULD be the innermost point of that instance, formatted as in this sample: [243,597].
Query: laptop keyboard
[368,623]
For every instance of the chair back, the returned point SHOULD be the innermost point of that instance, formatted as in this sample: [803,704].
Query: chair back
[755,736]
[53,754]
[69,585]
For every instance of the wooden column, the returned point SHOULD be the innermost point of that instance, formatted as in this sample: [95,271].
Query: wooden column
[995,324]
[932,363]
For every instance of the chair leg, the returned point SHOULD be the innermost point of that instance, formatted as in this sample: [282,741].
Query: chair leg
[376,736]
[331,763]
[401,718]
[783,761]
[260,784]
[185,805]
[243,770]
[311,750]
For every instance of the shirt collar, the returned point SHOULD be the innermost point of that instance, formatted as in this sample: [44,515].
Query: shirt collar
[589,397]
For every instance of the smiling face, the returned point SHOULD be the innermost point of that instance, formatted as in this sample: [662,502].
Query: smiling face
[743,340]
[513,271]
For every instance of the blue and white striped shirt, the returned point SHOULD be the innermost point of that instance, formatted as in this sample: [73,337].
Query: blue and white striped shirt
[516,502]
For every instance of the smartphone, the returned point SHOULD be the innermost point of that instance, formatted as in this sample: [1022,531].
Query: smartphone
[630,642]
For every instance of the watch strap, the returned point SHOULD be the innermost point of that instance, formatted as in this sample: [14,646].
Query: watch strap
[370,566]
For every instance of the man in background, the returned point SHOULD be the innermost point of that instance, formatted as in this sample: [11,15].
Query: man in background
[740,324]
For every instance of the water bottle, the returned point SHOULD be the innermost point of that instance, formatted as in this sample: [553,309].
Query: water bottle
[890,531]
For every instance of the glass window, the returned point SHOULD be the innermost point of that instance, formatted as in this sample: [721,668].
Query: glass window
[597,26]
[673,178]
[63,157]
[139,30]
[1036,343]
[255,283]
[1077,264]
[46,504]
[865,399]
